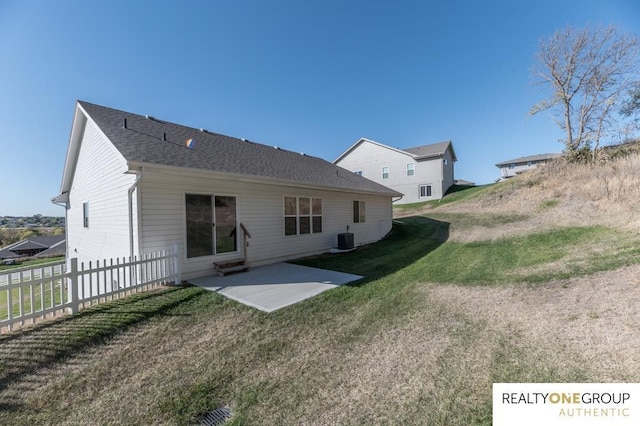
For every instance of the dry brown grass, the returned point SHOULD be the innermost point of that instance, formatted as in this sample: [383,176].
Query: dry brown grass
[557,195]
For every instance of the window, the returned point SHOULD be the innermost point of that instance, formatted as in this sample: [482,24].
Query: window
[358,212]
[316,218]
[290,216]
[444,161]
[304,211]
[302,215]
[425,191]
[385,173]
[512,166]
[410,169]
[85,214]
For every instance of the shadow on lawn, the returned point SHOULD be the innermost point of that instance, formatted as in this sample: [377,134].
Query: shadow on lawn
[29,351]
[411,239]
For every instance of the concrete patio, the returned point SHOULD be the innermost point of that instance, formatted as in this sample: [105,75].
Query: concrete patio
[272,287]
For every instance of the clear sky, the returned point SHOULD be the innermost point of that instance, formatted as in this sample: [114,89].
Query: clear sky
[309,76]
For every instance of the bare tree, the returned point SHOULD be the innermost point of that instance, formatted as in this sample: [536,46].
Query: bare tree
[590,72]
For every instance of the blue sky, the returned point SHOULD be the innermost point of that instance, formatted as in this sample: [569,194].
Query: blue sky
[310,76]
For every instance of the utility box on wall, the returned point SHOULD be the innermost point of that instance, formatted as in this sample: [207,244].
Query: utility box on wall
[345,241]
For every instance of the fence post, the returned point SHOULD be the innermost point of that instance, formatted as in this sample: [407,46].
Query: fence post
[177,265]
[72,286]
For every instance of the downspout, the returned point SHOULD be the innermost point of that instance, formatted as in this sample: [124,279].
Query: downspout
[130,200]
[64,204]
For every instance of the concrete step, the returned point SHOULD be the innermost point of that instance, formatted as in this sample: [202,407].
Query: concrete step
[230,267]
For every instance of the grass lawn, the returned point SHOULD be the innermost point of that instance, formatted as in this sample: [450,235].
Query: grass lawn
[390,348]
[33,262]
[43,294]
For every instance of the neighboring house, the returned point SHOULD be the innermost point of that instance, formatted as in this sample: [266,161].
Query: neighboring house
[41,246]
[135,184]
[421,173]
[516,166]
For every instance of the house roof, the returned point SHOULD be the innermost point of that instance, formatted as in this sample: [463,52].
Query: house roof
[49,244]
[28,245]
[60,249]
[421,152]
[7,254]
[149,141]
[520,160]
[432,150]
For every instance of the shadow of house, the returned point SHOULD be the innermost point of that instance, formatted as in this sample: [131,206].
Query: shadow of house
[411,239]
[29,355]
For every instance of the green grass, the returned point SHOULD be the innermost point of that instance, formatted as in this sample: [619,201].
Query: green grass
[33,262]
[499,262]
[41,293]
[44,296]
[467,220]
[455,193]
[384,349]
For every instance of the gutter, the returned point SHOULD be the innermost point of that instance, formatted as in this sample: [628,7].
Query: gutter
[130,201]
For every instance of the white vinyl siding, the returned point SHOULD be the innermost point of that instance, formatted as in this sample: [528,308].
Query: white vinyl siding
[260,209]
[371,158]
[99,189]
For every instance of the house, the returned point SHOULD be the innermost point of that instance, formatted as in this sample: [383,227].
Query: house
[136,184]
[41,246]
[421,173]
[511,168]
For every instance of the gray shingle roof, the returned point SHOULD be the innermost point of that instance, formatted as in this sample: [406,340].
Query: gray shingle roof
[432,150]
[532,158]
[148,140]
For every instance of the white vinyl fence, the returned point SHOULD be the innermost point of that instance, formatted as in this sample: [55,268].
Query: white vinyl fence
[44,291]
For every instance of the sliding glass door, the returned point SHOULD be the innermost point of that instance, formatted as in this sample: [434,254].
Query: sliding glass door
[211,225]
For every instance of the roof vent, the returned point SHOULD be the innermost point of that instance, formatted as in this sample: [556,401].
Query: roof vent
[276,147]
[244,140]
[204,130]
[150,117]
[191,143]
[164,136]
[124,123]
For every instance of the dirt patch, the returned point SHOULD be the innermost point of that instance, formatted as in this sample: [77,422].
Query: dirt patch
[597,316]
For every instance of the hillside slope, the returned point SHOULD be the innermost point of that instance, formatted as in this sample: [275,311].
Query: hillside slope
[594,312]
[558,195]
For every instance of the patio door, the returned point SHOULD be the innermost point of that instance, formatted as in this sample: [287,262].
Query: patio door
[211,225]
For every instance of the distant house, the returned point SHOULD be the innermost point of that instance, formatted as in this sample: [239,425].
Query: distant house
[135,184]
[420,173]
[41,246]
[511,168]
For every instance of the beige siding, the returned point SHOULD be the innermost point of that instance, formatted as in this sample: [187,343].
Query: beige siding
[100,181]
[370,158]
[260,209]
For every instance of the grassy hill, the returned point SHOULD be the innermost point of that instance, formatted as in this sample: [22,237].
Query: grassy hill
[529,280]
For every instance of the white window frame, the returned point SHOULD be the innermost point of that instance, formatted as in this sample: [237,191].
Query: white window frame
[411,169]
[314,214]
[428,189]
[385,172]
